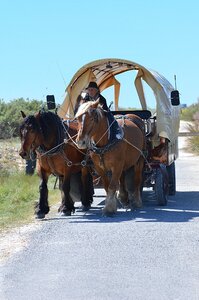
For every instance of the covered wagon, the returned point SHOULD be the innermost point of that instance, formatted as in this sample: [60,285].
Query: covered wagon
[161,123]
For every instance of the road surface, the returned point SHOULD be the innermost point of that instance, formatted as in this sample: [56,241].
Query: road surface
[150,254]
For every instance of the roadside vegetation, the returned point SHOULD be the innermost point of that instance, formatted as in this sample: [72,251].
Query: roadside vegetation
[18,191]
[191,114]
[10,115]
[18,194]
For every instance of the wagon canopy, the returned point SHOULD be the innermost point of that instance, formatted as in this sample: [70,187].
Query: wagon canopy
[103,71]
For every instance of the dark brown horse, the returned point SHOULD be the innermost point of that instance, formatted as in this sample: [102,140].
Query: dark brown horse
[51,139]
[114,151]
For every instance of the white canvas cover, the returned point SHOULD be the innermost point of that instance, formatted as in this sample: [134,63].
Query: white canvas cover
[104,71]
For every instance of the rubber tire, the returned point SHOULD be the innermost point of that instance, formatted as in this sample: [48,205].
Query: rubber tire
[161,188]
[172,179]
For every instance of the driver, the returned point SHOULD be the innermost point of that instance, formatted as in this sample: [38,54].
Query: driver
[93,93]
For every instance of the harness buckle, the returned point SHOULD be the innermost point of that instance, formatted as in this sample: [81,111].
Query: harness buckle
[83,163]
[69,163]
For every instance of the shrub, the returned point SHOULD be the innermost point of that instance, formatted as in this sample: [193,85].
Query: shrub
[10,115]
[187,114]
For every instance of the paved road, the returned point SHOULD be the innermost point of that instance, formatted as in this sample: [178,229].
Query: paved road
[151,254]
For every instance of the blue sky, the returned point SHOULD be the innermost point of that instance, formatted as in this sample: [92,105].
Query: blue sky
[44,42]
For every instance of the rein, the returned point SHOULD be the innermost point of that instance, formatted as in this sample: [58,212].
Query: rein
[101,150]
[50,152]
[112,141]
[141,152]
[59,149]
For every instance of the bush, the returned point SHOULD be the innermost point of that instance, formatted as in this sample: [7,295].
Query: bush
[193,142]
[10,115]
[187,114]
[191,113]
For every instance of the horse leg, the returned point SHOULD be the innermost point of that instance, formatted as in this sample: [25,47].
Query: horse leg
[110,186]
[122,195]
[42,207]
[87,189]
[67,204]
[130,185]
[111,201]
[137,199]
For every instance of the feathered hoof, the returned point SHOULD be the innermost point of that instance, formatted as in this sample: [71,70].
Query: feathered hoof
[85,207]
[107,213]
[40,216]
[65,213]
[122,202]
[136,206]
[125,205]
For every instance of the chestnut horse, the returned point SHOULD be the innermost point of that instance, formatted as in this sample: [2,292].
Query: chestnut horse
[51,139]
[115,148]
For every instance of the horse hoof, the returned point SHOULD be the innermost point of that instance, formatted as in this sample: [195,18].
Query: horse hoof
[107,213]
[86,207]
[65,213]
[134,208]
[137,206]
[40,216]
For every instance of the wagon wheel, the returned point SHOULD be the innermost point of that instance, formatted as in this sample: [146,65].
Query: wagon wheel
[172,179]
[161,185]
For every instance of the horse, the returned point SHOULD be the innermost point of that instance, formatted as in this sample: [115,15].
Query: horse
[45,134]
[116,148]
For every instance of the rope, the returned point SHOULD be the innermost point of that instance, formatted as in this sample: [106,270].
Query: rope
[141,152]
[71,138]
[108,129]
[51,149]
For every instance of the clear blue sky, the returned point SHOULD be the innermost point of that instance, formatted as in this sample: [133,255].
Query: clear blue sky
[44,42]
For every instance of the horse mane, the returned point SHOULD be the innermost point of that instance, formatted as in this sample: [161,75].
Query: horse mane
[87,106]
[45,122]
[49,121]
[30,120]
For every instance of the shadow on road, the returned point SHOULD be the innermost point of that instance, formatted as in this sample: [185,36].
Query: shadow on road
[183,207]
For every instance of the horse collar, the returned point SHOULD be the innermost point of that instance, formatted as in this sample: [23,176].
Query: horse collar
[115,135]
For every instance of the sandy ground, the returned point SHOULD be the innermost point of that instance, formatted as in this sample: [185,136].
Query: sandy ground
[15,240]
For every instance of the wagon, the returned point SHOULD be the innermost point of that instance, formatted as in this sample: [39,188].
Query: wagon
[161,122]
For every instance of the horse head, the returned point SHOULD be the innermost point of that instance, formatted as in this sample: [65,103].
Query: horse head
[88,116]
[30,135]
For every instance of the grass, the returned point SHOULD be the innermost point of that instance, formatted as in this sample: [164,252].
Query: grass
[10,161]
[18,194]
[192,114]
[193,142]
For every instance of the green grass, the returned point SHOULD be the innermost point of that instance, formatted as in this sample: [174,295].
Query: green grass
[193,142]
[18,194]
[187,114]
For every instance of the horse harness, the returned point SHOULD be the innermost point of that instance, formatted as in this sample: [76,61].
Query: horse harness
[63,135]
[116,135]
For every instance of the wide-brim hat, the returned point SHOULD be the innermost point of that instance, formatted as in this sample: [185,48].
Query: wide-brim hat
[92,84]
